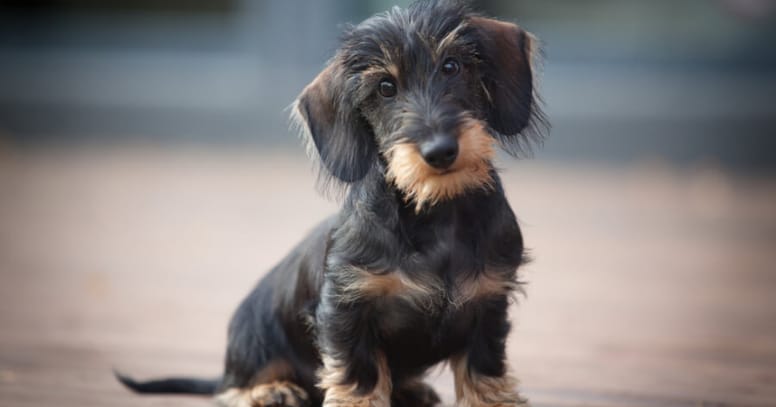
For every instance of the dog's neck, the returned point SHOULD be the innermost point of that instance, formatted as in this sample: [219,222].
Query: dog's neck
[375,200]
[460,236]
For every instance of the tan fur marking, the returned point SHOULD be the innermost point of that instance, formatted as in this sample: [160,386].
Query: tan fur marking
[364,284]
[474,390]
[287,393]
[420,182]
[271,381]
[332,374]
[447,40]
[387,53]
[486,92]
[393,70]
[486,284]
[234,398]
[265,394]
[389,69]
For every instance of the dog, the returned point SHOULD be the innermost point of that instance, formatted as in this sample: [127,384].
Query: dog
[420,264]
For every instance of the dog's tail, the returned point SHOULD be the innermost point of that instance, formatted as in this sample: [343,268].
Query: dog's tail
[173,385]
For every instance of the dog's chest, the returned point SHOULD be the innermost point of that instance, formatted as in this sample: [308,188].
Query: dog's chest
[409,301]
[427,293]
[416,336]
[425,315]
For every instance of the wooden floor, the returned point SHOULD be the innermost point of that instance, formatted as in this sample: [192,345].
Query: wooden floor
[651,286]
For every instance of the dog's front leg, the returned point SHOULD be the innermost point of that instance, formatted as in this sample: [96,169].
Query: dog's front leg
[341,391]
[481,373]
[355,372]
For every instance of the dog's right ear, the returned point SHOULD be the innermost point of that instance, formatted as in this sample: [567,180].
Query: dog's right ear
[334,125]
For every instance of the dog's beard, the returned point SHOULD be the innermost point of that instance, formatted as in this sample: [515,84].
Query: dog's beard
[426,185]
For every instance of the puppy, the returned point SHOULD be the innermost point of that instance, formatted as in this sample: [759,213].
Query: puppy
[419,265]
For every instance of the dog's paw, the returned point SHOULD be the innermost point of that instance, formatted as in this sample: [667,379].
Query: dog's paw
[279,394]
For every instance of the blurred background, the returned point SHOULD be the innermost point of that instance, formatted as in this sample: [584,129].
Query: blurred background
[148,178]
[684,81]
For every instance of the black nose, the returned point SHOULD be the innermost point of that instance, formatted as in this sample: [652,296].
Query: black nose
[440,152]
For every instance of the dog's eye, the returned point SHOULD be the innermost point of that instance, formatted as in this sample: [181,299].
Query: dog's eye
[387,88]
[451,67]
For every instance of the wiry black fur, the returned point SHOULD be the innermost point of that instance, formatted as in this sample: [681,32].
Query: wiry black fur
[297,312]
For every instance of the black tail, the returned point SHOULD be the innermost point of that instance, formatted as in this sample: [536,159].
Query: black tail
[170,386]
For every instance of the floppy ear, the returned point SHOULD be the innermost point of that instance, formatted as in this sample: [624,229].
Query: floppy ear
[507,74]
[341,136]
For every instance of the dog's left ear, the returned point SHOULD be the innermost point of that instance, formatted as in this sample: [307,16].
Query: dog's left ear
[341,136]
[507,74]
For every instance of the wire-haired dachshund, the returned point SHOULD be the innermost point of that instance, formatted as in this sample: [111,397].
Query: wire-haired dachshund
[420,264]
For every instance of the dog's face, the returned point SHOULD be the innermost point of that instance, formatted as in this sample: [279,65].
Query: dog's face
[422,94]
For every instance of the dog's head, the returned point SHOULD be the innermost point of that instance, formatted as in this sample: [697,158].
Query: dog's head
[423,94]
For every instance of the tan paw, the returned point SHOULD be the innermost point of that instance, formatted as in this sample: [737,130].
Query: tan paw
[279,394]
